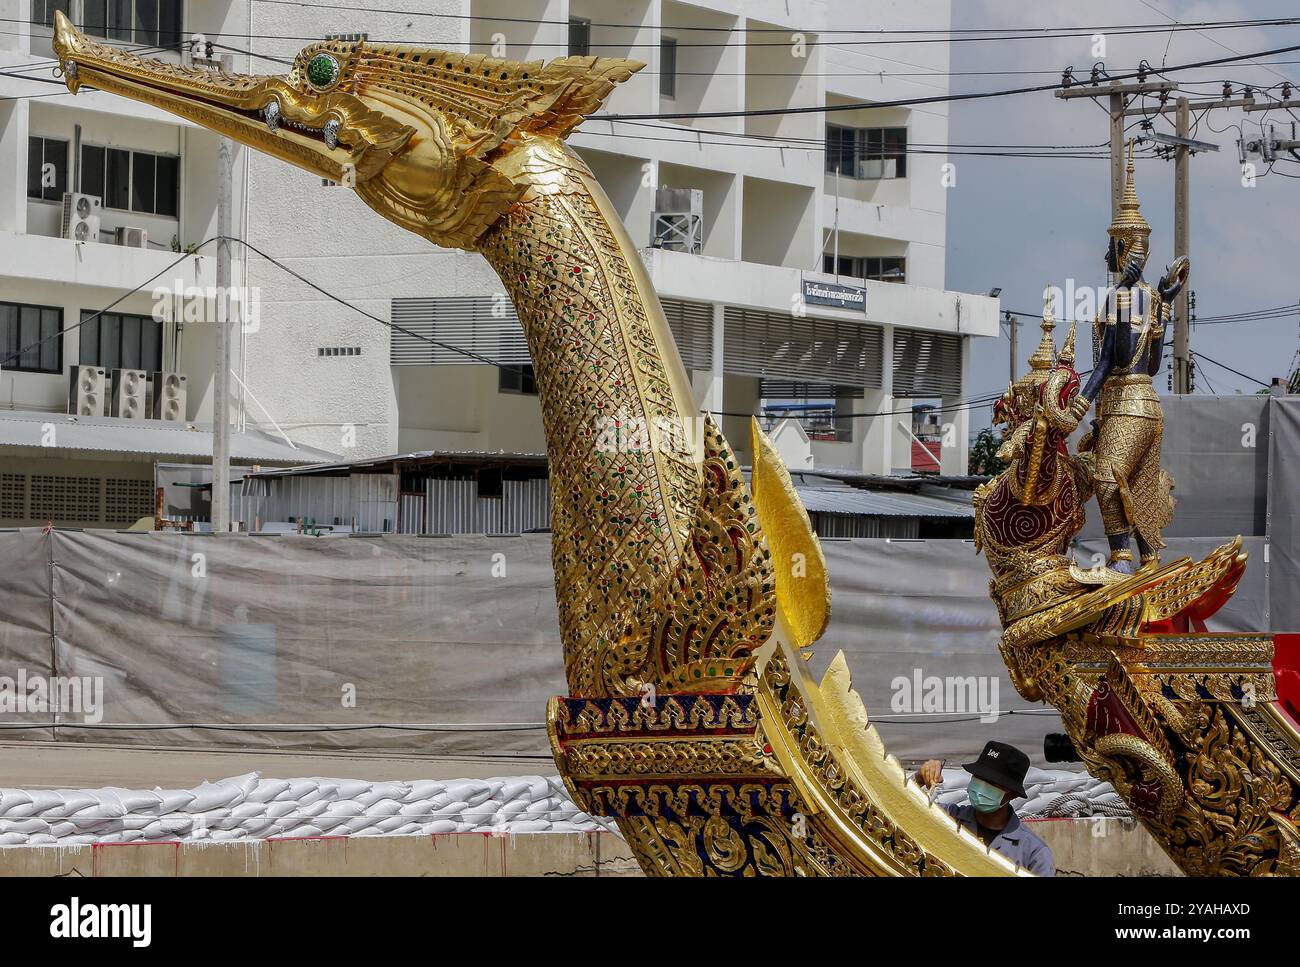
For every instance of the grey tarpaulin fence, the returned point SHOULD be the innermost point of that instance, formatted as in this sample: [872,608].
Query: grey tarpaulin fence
[303,643]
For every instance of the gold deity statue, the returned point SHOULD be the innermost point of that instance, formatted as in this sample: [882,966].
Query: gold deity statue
[1133,491]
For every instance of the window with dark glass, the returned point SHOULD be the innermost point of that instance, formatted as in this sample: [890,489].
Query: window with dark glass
[94,17]
[43,11]
[119,20]
[143,170]
[131,180]
[668,67]
[579,37]
[116,340]
[47,168]
[31,338]
[517,379]
[886,268]
[149,23]
[866,153]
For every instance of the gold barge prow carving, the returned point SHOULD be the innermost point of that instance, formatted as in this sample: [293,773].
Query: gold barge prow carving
[664,579]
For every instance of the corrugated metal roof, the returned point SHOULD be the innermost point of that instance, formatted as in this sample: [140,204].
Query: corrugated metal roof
[415,456]
[875,503]
[19,428]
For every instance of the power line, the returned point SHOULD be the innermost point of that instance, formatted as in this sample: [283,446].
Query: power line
[930,99]
[1236,372]
[947,31]
[961,35]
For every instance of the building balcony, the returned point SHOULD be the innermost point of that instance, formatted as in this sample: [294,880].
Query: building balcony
[40,259]
[696,278]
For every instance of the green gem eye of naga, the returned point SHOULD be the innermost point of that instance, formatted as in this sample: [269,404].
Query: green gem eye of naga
[685,594]
[322,71]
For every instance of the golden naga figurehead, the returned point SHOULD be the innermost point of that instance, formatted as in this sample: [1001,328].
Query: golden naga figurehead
[422,135]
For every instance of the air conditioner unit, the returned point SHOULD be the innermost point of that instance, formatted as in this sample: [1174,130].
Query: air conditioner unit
[677,222]
[874,168]
[169,397]
[129,387]
[131,237]
[86,391]
[81,216]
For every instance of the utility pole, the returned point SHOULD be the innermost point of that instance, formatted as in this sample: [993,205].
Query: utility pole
[1182,220]
[221,369]
[1117,93]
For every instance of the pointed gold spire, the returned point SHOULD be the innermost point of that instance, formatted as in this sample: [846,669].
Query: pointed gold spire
[1046,351]
[1129,227]
[1066,356]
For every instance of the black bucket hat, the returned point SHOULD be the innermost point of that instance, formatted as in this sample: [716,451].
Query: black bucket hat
[1003,765]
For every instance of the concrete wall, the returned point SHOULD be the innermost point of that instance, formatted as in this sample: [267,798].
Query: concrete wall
[442,854]
[1121,848]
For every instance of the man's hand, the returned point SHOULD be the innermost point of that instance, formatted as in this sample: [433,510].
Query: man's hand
[930,774]
[1174,279]
[1132,272]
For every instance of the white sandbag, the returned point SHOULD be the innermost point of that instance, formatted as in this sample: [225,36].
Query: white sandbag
[173,800]
[314,809]
[267,790]
[176,825]
[9,798]
[45,800]
[380,791]
[256,826]
[449,811]
[515,789]
[339,813]
[25,826]
[73,801]
[321,793]
[470,791]
[348,788]
[214,795]
[420,809]
[21,810]
[441,826]
[424,789]
[383,808]
[530,826]
[13,839]
[247,810]
[512,809]
[41,839]
[298,789]
[302,831]
[279,808]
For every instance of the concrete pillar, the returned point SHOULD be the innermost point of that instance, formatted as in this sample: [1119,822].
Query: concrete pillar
[13,157]
[900,425]
[954,458]
[876,432]
[712,399]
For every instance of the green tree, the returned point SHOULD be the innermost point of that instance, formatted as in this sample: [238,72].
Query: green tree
[984,453]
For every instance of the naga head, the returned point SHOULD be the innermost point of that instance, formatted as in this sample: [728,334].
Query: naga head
[421,135]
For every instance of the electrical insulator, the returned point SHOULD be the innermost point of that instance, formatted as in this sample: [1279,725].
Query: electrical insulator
[207,50]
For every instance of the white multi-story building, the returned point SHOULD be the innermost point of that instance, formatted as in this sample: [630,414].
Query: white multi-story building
[766,204]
